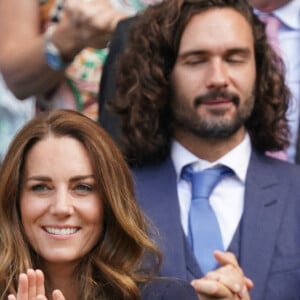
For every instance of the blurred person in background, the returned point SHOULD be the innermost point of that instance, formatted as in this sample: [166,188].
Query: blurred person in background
[13,114]
[282,18]
[55,49]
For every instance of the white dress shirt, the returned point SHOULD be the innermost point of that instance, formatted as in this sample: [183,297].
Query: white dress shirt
[227,199]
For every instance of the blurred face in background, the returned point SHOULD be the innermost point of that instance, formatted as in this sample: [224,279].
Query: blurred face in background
[268,5]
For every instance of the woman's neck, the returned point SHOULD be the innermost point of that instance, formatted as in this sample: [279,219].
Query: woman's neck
[62,277]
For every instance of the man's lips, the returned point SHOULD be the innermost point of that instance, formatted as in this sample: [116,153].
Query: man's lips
[217,98]
[216,101]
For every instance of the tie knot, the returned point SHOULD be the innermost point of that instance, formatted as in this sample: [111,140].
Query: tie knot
[203,182]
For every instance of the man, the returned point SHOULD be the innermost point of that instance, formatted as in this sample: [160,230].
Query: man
[284,34]
[199,85]
[287,11]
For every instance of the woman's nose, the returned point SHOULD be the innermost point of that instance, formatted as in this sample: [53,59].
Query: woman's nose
[62,203]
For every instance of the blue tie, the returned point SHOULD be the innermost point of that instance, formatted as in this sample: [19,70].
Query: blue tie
[204,231]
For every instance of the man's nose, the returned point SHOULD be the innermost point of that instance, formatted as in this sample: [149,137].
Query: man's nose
[217,75]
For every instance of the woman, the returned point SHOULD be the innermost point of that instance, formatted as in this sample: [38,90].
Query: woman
[70,227]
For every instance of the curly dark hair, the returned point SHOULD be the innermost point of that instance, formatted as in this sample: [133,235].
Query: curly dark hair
[143,85]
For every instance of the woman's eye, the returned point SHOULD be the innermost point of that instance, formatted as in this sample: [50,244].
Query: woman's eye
[40,187]
[84,187]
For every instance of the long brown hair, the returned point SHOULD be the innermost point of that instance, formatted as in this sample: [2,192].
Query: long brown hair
[113,268]
[143,85]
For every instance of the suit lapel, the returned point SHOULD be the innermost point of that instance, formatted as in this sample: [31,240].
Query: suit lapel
[263,210]
[156,189]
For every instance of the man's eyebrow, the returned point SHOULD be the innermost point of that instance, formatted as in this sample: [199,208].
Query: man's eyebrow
[240,51]
[192,52]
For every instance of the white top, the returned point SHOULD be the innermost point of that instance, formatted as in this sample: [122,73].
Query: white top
[227,199]
[14,113]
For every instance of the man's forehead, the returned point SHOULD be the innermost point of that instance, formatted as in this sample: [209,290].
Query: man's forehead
[217,25]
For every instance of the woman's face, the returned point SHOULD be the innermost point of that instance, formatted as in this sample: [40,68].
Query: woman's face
[61,211]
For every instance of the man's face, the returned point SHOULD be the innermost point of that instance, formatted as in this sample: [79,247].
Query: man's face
[213,78]
[268,5]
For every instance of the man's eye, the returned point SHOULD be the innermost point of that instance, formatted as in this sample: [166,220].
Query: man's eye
[195,61]
[235,59]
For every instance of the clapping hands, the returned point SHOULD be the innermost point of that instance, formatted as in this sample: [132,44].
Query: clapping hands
[31,287]
[94,20]
[226,283]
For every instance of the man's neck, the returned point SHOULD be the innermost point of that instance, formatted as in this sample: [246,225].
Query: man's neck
[209,149]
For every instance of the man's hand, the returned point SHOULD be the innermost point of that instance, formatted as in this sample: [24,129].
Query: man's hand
[226,283]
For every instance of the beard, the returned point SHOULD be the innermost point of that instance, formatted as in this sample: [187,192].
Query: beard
[216,125]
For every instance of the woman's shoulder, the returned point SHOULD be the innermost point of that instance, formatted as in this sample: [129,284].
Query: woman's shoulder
[168,289]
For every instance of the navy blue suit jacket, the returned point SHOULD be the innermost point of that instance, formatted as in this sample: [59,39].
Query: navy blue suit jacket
[168,289]
[269,240]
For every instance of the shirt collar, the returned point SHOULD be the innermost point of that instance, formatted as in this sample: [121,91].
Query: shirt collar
[237,159]
[289,14]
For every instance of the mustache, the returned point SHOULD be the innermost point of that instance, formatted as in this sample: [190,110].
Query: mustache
[217,94]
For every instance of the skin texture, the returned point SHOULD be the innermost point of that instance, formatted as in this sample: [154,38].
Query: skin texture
[216,62]
[268,5]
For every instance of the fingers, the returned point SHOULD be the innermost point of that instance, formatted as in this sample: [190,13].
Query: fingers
[40,285]
[94,14]
[226,282]
[228,258]
[231,278]
[23,287]
[31,277]
[58,295]
[210,288]
[30,286]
